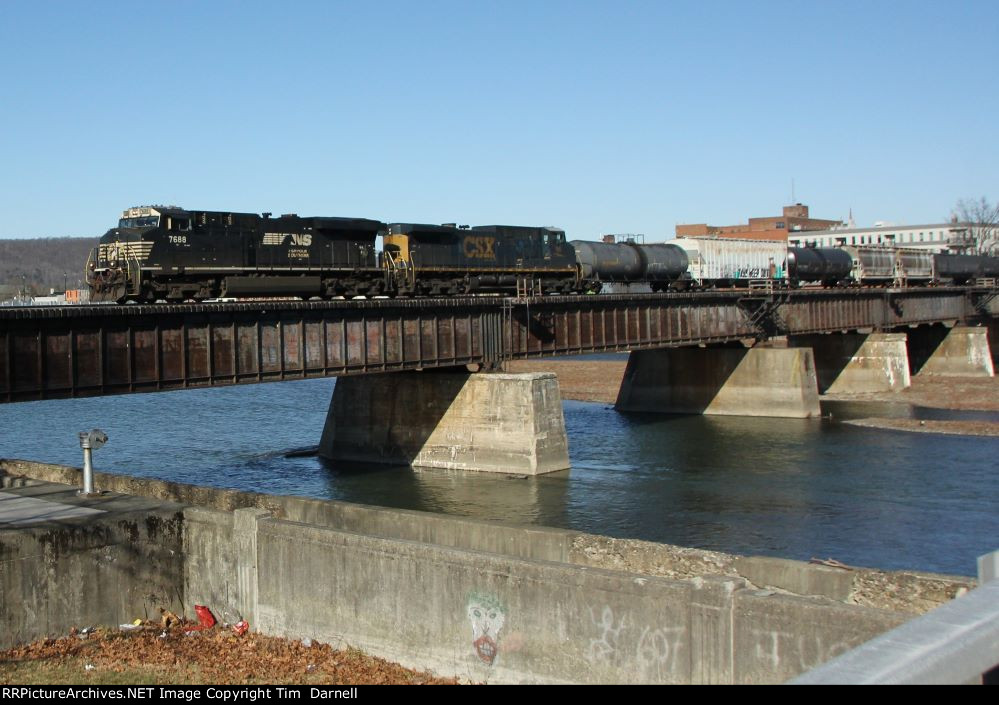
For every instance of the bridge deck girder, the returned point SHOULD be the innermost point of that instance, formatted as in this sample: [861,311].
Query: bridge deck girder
[57,352]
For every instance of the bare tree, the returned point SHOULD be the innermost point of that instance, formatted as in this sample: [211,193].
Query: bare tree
[982,220]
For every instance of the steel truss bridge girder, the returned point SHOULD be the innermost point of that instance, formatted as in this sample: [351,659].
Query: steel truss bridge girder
[58,352]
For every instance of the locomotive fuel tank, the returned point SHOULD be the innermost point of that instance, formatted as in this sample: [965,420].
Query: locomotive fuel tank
[827,265]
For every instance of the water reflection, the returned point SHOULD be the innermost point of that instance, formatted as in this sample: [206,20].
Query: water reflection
[514,498]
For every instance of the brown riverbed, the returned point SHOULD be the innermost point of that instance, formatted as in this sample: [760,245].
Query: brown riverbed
[960,393]
[590,380]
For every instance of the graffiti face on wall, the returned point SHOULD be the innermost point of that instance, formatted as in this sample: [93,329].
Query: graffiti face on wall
[487,616]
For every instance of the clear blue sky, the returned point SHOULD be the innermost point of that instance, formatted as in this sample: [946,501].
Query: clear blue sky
[594,116]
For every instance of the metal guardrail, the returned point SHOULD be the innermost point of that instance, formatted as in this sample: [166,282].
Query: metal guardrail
[957,643]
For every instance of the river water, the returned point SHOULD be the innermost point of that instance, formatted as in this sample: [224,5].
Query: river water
[781,487]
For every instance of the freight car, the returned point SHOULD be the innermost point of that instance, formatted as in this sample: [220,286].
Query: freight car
[732,262]
[965,269]
[660,266]
[886,266]
[829,266]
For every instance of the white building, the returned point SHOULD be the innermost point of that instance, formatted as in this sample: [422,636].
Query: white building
[52,299]
[939,237]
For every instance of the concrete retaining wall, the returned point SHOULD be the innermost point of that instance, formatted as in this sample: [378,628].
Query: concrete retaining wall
[486,617]
[108,568]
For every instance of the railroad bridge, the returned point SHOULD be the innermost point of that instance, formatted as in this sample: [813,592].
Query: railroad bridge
[728,352]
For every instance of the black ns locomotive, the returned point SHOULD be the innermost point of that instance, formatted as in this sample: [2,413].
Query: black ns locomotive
[172,254]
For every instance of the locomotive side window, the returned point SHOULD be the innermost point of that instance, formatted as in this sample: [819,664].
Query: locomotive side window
[179,224]
[555,242]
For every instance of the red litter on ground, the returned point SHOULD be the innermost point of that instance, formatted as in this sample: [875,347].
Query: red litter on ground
[206,620]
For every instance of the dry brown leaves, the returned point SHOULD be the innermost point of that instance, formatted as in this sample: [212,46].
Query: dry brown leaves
[216,655]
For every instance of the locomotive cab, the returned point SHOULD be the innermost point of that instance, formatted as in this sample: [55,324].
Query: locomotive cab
[114,266]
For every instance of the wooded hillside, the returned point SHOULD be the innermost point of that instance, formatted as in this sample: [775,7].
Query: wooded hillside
[44,263]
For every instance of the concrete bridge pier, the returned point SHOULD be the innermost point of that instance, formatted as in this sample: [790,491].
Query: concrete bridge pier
[450,419]
[993,334]
[728,381]
[855,363]
[961,351]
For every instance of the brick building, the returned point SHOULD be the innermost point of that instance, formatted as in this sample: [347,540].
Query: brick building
[777,227]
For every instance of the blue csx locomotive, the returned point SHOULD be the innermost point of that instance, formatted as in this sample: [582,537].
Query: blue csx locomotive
[162,253]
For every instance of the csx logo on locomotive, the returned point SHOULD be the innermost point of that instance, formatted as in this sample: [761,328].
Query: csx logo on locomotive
[299,239]
[480,247]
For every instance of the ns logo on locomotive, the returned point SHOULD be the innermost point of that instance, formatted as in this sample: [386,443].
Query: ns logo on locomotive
[166,253]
